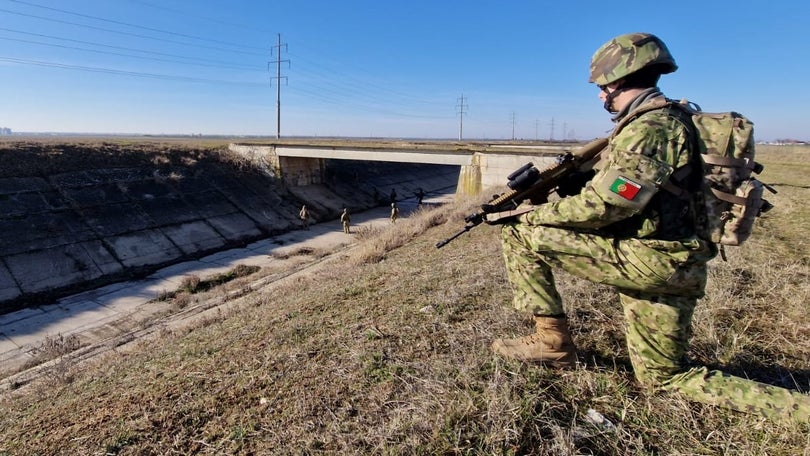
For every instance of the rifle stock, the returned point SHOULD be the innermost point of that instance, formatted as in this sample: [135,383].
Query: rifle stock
[532,184]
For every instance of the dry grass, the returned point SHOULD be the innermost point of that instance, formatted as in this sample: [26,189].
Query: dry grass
[40,157]
[376,242]
[301,251]
[193,285]
[385,350]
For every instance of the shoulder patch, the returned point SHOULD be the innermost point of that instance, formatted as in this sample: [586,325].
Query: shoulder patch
[625,188]
[619,189]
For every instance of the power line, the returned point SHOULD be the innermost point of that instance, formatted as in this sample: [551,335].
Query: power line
[461,106]
[326,84]
[513,125]
[360,89]
[319,95]
[124,73]
[97,51]
[102,29]
[112,21]
[343,82]
[344,78]
[349,80]
[364,107]
[339,81]
[123,48]
[199,16]
[278,83]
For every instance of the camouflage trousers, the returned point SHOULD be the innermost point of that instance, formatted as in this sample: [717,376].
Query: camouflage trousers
[658,283]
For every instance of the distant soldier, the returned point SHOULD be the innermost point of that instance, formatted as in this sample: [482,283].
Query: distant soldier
[419,196]
[394,212]
[377,198]
[345,219]
[304,216]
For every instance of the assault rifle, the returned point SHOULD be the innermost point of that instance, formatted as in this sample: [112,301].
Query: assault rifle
[529,183]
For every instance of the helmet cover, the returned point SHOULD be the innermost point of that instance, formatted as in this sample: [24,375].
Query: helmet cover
[627,54]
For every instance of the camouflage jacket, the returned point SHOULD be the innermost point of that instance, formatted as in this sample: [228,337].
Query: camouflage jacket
[623,199]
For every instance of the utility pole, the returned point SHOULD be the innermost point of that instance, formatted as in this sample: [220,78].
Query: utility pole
[461,106]
[278,83]
[551,138]
[513,125]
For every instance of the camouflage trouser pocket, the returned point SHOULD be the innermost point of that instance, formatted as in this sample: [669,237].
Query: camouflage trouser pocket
[665,267]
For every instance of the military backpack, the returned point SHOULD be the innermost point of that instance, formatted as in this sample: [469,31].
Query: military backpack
[731,196]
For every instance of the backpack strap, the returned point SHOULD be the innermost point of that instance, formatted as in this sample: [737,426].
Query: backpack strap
[730,162]
[674,189]
[728,197]
[683,114]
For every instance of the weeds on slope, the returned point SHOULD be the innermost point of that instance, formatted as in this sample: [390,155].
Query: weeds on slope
[385,350]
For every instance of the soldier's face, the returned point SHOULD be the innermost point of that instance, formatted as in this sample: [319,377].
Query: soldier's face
[604,92]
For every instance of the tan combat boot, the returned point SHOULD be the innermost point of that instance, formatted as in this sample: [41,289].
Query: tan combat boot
[551,344]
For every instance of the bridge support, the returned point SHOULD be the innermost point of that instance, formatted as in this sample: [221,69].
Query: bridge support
[469,179]
[297,171]
[293,171]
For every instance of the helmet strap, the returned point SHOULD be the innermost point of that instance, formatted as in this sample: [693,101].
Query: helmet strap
[610,97]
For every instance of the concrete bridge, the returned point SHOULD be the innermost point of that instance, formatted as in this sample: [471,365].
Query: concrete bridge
[483,165]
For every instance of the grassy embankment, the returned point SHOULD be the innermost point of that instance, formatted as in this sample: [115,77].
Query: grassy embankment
[384,349]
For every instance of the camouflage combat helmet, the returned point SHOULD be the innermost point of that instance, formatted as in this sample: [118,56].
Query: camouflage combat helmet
[627,54]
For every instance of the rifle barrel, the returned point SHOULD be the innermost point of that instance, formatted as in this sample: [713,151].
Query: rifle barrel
[546,180]
[443,243]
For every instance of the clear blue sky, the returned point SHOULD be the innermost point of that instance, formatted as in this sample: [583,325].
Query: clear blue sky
[384,68]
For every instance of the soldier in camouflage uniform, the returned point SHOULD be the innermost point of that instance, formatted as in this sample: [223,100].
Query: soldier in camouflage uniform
[346,220]
[620,230]
[394,212]
[304,216]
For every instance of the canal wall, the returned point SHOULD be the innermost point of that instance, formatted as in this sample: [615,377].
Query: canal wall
[82,216]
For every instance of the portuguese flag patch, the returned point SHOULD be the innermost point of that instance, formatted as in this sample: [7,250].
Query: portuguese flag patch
[625,188]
